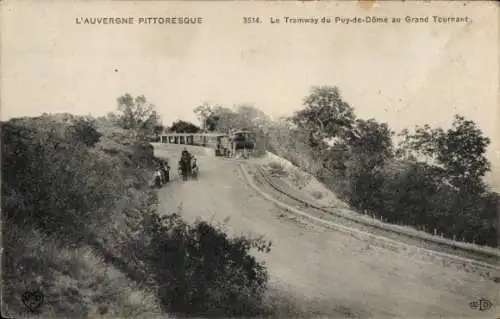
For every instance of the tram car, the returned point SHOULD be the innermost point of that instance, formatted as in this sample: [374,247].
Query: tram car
[224,146]
[234,144]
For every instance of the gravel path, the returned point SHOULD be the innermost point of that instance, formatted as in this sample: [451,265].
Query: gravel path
[326,273]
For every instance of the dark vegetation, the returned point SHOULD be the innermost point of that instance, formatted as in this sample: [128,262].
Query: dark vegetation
[433,179]
[183,127]
[199,270]
[79,222]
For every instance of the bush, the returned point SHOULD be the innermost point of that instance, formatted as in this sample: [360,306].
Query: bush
[49,177]
[199,270]
[75,281]
[58,182]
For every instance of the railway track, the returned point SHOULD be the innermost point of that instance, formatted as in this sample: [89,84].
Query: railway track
[463,257]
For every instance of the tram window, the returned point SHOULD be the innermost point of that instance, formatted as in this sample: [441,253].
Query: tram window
[239,137]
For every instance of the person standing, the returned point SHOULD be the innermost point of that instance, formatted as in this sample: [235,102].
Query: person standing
[165,172]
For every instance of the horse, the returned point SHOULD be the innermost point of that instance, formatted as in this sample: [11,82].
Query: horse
[185,166]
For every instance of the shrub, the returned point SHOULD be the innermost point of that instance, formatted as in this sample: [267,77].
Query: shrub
[199,270]
[54,180]
[75,281]
[49,176]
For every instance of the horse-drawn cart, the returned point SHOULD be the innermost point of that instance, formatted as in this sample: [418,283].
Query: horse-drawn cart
[188,166]
[161,174]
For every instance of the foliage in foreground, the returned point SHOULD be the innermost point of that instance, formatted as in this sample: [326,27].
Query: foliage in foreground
[69,194]
[76,281]
[199,270]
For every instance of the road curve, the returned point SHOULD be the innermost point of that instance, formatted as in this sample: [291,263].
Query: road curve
[327,273]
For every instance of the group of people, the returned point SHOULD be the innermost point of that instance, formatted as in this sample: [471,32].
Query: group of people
[188,166]
[162,173]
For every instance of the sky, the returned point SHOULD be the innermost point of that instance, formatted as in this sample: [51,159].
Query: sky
[405,74]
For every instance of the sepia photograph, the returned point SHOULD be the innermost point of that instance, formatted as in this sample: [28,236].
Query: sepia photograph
[250,159]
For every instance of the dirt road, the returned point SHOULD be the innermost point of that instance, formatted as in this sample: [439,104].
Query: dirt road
[328,273]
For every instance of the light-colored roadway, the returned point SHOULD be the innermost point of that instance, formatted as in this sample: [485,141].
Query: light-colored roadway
[328,273]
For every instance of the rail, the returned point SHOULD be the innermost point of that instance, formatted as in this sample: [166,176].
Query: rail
[482,255]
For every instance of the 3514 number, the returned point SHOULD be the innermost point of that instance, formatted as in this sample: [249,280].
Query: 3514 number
[251,20]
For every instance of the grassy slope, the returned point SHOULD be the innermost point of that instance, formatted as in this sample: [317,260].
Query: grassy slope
[311,188]
[77,280]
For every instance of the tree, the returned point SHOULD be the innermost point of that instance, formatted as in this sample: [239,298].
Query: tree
[204,112]
[371,142]
[183,127]
[460,151]
[358,158]
[221,119]
[366,147]
[137,114]
[214,118]
[158,129]
[325,114]
[251,117]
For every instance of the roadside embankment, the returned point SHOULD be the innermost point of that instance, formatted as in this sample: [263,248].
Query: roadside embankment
[287,179]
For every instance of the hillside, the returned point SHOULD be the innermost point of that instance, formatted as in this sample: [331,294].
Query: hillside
[61,229]
[80,226]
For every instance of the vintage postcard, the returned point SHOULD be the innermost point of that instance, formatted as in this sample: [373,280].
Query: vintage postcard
[256,159]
